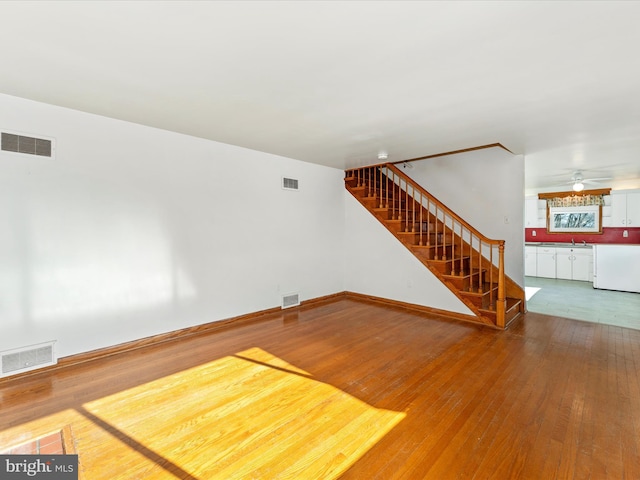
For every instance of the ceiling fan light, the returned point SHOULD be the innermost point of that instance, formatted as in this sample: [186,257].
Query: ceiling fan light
[578,187]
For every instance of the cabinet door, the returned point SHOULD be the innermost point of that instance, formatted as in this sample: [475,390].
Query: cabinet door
[618,209]
[546,262]
[633,210]
[530,262]
[564,259]
[531,212]
[582,266]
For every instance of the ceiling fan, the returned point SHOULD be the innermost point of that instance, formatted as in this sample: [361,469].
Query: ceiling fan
[578,181]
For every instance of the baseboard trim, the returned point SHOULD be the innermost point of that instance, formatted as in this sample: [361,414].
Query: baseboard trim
[235,322]
[171,336]
[412,307]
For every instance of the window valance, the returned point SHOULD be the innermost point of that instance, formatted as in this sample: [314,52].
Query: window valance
[576,201]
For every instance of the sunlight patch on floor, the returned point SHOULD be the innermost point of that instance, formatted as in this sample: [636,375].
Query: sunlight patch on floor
[250,415]
[530,292]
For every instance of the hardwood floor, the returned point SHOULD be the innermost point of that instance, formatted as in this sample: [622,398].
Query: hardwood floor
[349,390]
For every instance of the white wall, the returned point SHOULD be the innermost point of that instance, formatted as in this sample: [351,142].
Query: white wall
[376,263]
[486,188]
[132,231]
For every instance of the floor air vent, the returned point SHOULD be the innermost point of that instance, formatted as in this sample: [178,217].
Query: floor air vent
[289,183]
[21,360]
[291,300]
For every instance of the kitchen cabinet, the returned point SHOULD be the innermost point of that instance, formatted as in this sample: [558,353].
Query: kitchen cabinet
[574,263]
[531,212]
[530,261]
[535,213]
[625,209]
[546,262]
[561,261]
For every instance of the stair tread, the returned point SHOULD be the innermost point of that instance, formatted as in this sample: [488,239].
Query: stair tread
[455,259]
[456,276]
[433,245]
[485,291]
[511,303]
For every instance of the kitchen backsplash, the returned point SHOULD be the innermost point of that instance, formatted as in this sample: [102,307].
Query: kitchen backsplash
[608,235]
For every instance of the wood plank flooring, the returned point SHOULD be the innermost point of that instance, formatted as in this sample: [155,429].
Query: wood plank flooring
[351,390]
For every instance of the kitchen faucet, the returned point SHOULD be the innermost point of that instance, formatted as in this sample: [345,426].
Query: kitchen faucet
[573,242]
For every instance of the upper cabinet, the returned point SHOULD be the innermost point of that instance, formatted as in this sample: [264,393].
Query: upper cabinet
[531,212]
[534,212]
[625,209]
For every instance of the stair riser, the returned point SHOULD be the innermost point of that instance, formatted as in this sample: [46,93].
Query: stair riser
[481,300]
[416,238]
[432,252]
[397,218]
[452,267]
[460,283]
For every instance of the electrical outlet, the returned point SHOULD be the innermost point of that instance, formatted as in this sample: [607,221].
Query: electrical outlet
[534,233]
[625,233]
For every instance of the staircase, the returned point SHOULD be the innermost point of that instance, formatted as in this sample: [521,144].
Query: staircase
[468,263]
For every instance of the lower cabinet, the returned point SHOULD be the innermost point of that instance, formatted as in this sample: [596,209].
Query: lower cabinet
[530,261]
[546,262]
[559,262]
[574,263]
[583,266]
[564,264]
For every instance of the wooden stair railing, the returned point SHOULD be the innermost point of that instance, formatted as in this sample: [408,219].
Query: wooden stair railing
[467,262]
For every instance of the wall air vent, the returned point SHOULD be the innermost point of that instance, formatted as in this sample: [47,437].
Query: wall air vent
[289,183]
[24,359]
[290,300]
[41,147]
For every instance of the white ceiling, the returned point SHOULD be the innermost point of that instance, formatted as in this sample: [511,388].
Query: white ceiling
[335,82]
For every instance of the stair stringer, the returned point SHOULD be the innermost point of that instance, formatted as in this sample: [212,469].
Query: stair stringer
[473,312]
[443,296]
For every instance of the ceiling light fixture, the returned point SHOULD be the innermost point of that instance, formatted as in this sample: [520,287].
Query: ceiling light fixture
[383,156]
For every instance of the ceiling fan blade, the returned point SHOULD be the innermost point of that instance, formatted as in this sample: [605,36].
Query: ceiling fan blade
[595,181]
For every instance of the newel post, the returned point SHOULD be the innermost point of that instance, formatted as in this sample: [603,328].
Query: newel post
[501,303]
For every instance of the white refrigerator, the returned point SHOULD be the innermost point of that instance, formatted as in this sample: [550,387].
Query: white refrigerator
[616,267]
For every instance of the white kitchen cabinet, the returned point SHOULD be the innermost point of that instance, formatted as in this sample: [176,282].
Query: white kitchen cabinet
[546,262]
[530,261]
[564,262]
[574,263]
[535,213]
[531,212]
[625,209]
[583,264]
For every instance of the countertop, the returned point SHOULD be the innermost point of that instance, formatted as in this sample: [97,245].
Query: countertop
[559,244]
